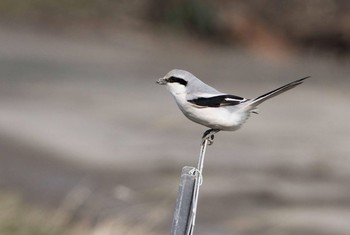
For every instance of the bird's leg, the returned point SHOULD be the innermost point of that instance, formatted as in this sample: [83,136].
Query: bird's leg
[209,135]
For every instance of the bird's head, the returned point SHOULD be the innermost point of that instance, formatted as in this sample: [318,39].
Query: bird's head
[176,81]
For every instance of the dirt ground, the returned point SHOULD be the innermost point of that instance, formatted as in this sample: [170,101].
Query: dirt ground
[81,117]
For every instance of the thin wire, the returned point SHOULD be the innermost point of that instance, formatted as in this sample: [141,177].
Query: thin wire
[198,183]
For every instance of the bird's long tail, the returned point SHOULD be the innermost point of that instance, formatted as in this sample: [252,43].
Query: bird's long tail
[255,102]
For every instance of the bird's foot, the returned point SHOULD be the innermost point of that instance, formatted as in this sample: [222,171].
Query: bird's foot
[209,136]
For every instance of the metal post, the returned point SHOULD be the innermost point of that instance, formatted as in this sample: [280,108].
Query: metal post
[187,198]
[182,213]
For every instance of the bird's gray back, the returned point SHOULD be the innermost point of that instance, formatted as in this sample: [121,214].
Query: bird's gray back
[196,86]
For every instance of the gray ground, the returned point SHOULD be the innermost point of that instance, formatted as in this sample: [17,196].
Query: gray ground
[83,116]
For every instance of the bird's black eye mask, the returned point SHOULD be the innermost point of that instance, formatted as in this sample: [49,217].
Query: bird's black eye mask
[173,79]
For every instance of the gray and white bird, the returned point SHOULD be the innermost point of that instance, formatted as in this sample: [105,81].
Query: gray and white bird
[209,107]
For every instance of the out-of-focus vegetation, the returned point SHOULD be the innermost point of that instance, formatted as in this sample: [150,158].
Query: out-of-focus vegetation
[19,218]
[67,14]
[307,25]
[199,17]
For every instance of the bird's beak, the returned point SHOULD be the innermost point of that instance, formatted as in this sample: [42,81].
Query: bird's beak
[161,81]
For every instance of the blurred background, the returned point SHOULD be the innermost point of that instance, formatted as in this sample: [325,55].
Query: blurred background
[89,144]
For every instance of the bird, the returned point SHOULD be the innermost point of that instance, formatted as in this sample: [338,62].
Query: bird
[209,107]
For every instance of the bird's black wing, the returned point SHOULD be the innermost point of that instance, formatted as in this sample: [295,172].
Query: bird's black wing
[217,101]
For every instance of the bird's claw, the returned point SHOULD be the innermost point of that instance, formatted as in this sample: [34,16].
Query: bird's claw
[210,139]
[209,136]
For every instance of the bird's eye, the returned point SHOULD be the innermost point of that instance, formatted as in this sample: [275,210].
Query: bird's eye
[173,79]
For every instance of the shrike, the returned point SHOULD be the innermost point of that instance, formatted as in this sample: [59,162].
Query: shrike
[211,108]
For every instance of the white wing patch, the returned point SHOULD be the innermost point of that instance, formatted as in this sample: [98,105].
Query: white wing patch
[233,99]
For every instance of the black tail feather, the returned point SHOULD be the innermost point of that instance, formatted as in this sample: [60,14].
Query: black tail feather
[255,102]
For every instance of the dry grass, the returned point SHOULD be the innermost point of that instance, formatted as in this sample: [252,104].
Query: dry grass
[19,218]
